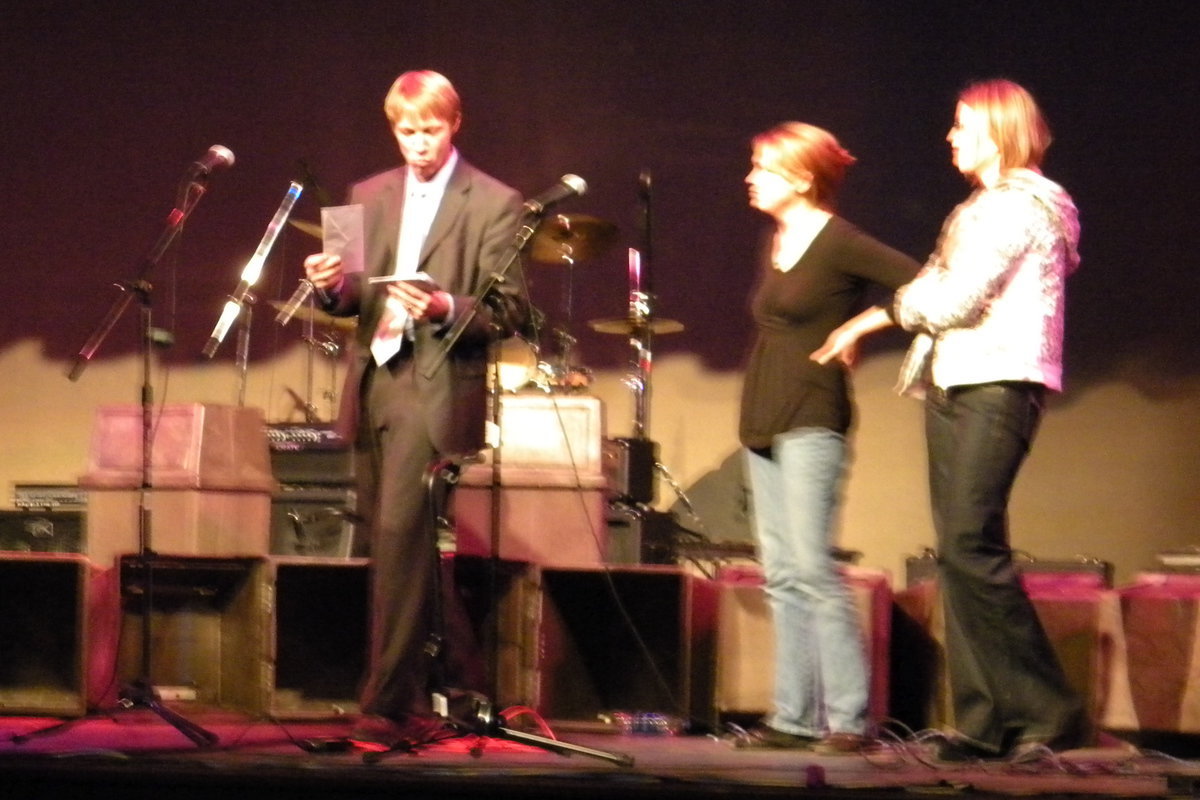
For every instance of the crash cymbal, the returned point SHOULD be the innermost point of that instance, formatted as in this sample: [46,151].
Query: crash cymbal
[571,238]
[628,327]
[304,226]
[319,317]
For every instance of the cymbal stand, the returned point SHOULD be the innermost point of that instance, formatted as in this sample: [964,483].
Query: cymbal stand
[327,347]
[642,350]
[565,341]
[641,313]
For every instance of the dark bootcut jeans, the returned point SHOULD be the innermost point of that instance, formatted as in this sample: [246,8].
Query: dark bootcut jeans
[1006,682]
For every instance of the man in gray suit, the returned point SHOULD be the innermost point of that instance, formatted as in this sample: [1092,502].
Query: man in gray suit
[439,216]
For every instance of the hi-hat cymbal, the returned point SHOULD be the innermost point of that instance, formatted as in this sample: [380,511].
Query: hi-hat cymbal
[319,317]
[571,238]
[304,226]
[628,327]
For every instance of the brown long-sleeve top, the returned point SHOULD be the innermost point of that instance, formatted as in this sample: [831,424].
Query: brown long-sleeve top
[795,311]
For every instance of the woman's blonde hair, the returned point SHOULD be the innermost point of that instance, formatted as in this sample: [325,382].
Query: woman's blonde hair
[1014,120]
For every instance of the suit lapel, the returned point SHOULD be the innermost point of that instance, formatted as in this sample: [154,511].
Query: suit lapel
[454,200]
[391,209]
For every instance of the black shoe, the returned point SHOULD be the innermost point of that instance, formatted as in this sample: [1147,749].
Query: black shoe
[764,737]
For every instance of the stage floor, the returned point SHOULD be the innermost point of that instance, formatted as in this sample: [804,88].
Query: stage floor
[136,754]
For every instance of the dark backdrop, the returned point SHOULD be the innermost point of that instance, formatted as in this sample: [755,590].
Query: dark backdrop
[105,105]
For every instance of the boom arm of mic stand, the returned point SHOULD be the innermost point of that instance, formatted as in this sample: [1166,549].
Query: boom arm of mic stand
[140,286]
[495,278]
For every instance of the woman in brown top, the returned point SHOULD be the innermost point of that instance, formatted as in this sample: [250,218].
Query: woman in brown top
[794,418]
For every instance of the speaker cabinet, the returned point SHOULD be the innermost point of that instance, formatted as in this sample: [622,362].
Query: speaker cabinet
[318,628]
[1156,674]
[208,642]
[1074,607]
[640,535]
[634,638]
[43,601]
[744,665]
[318,633]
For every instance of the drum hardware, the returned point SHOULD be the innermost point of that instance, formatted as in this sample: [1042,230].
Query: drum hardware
[325,345]
[630,326]
[568,240]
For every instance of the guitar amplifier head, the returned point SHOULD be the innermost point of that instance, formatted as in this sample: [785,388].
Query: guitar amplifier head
[310,453]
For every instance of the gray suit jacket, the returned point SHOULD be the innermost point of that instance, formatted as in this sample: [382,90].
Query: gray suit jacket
[471,235]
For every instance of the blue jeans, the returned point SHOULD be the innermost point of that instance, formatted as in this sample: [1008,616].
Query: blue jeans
[820,667]
[1005,679]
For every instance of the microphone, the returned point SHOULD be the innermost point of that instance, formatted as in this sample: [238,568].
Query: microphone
[567,186]
[298,298]
[218,157]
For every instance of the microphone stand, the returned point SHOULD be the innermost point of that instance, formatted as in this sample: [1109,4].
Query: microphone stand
[141,692]
[241,297]
[484,721]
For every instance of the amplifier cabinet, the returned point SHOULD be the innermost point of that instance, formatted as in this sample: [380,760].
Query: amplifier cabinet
[316,520]
[32,531]
[183,522]
[43,618]
[629,464]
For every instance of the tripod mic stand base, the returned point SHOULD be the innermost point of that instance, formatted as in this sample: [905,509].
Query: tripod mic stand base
[136,695]
[488,723]
[141,695]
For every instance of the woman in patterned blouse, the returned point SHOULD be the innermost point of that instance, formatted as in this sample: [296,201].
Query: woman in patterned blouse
[987,309]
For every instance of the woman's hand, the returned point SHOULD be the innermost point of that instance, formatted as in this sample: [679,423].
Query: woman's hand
[841,344]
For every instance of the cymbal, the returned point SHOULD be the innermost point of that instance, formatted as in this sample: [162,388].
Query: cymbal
[319,317]
[304,226]
[571,238]
[628,327]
